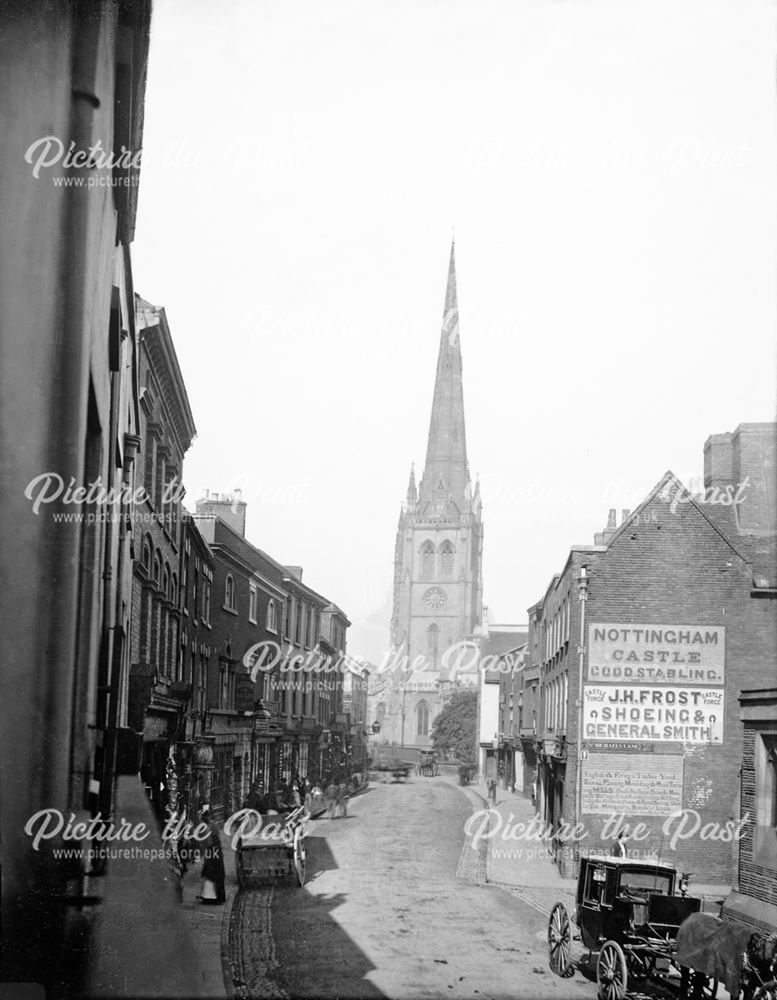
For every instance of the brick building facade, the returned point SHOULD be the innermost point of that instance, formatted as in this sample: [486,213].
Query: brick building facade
[273,710]
[668,616]
[247,607]
[753,899]
[158,693]
[196,569]
[356,682]
[69,408]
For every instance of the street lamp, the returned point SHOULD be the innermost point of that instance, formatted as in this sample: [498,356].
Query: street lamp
[582,593]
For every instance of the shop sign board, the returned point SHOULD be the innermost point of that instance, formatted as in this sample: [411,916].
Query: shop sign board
[609,746]
[652,714]
[656,654]
[633,784]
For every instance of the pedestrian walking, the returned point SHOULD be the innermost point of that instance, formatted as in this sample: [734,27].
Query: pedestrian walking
[342,799]
[212,888]
[256,798]
[492,791]
[330,797]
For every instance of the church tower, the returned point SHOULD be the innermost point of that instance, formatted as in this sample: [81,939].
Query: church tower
[438,591]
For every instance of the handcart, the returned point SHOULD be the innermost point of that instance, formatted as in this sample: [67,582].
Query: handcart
[275,850]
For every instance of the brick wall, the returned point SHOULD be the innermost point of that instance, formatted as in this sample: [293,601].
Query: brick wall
[672,567]
[755,879]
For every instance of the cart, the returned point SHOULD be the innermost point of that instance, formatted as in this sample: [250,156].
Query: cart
[628,912]
[427,764]
[276,850]
[398,769]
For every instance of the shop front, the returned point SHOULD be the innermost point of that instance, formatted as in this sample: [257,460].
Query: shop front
[552,779]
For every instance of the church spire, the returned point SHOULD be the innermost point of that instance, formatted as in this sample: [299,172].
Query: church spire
[446,476]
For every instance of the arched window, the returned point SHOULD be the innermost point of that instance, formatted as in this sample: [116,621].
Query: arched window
[272,616]
[157,568]
[432,642]
[174,589]
[147,555]
[422,718]
[427,561]
[446,560]
[229,593]
[166,580]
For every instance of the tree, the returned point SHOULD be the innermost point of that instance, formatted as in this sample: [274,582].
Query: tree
[455,727]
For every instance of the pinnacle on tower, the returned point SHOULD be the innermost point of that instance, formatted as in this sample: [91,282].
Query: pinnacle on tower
[446,476]
[412,493]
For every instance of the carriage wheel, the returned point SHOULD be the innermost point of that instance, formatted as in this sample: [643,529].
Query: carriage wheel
[299,857]
[559,941]
[611,974]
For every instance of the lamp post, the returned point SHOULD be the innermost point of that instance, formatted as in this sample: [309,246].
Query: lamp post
[582,593]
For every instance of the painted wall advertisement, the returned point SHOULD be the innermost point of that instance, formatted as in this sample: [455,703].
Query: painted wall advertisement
[653,714]
[656,654]
[634,784]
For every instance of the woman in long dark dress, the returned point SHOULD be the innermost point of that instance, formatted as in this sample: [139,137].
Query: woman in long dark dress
[213,890]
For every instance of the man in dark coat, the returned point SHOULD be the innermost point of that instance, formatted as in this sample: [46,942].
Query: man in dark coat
[213,889]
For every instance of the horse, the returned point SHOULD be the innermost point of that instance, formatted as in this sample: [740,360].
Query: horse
[744,960]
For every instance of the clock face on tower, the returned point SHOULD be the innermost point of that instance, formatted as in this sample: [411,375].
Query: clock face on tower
[435,597]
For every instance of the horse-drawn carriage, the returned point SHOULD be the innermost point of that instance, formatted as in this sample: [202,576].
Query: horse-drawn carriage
[427,764]
[630,913]
[273,848]
[398,769]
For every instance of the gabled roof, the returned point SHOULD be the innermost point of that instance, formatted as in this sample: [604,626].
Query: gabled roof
[684,498]
[499,642]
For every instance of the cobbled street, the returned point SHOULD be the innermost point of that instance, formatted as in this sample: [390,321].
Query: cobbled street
[392,908]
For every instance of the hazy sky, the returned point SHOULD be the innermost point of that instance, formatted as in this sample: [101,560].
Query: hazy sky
[608,168]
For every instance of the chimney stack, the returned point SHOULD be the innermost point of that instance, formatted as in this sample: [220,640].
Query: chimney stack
[612,527]
[745,464]
[718,461]
[230,508]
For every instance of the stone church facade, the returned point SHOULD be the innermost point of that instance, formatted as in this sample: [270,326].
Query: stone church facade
[437,605]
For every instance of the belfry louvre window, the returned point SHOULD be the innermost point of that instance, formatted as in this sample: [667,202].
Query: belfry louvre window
[427,561]
[446,560]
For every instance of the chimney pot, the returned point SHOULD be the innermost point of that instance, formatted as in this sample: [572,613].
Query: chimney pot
[624,515]
[611,522]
